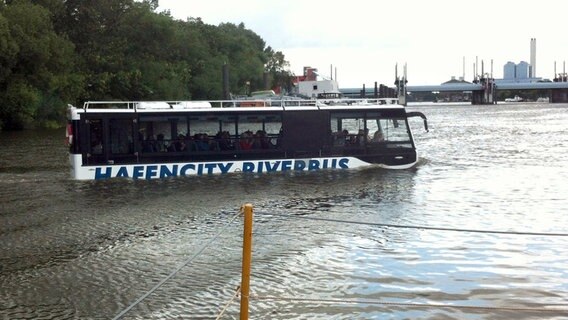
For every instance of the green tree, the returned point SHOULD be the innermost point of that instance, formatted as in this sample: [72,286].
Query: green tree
[54,52]
[92,27]
[8,50]
[278,68]
[149,69]
[37,68]
[128,53]
[243,50]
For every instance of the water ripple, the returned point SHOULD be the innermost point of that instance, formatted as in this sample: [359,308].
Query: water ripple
[86,250]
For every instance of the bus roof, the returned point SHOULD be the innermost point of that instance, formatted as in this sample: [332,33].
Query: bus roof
[231,106]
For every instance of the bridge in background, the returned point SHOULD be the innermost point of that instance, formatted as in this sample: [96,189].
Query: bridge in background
[482,92]
[498,86]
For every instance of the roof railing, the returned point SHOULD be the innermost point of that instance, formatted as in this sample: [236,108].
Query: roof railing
[208,104]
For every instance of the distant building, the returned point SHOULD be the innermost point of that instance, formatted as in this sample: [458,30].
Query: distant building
[519,72]
[308,86]
[453,80]
[509,70]
[523,72]
[454,96]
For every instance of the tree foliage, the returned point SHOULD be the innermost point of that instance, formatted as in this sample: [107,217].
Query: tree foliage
[55,52]
[37,66]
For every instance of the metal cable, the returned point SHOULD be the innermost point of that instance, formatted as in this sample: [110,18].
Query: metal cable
[542,308]
[416,227]
[173,273]
[229,303]
[414,305]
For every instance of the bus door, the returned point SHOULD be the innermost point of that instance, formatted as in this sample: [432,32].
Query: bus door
[109,141]
[93,139]
[121,142]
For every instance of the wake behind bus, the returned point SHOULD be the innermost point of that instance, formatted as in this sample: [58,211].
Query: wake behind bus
[161,139]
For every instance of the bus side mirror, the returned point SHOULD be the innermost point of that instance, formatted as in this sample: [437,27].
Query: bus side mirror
[421,115]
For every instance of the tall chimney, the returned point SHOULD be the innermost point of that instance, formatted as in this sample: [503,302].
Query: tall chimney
[335,74]
[474,72]
[533,58]
[476,66]
[463,68]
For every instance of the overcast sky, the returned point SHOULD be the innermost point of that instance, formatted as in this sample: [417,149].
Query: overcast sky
[364,40]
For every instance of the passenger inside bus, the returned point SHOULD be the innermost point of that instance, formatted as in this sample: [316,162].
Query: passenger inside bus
[224,140]
[97,147]
[340,138]
[360,138]
[150,144]
[246,140]
[160,143]
[261,140]
[378,136]
[204,143]
[178,145]
[201,142]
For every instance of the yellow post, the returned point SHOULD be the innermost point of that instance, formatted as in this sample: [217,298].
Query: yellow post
[247,257]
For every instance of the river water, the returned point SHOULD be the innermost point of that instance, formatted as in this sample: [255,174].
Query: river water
[88,250]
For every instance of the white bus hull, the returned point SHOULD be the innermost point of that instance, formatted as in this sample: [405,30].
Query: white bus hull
[165,170]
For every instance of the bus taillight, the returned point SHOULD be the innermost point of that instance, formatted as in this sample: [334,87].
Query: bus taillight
[69,135]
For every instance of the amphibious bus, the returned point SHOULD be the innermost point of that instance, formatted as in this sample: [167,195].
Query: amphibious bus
[160,139]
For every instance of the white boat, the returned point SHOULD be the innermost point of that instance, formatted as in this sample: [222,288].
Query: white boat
[515,99]
[543,100]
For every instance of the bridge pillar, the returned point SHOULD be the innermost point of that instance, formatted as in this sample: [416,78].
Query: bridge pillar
[401,90]
[400,83]
[487,93]
[558,96]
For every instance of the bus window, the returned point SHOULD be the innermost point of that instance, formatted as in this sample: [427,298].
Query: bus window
[395,130]
[202,131]
[96,136]
[347,129]
[205,124]
[375,130]
[392,131]
[180,126]
[121,136]
[250,123]
[225,138]
[272,129]
[228,124]
[155,133]
[259,131]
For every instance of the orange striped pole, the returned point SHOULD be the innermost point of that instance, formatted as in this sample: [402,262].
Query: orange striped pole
[247,257]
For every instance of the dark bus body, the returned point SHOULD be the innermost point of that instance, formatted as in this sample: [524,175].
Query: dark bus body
[143,133]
